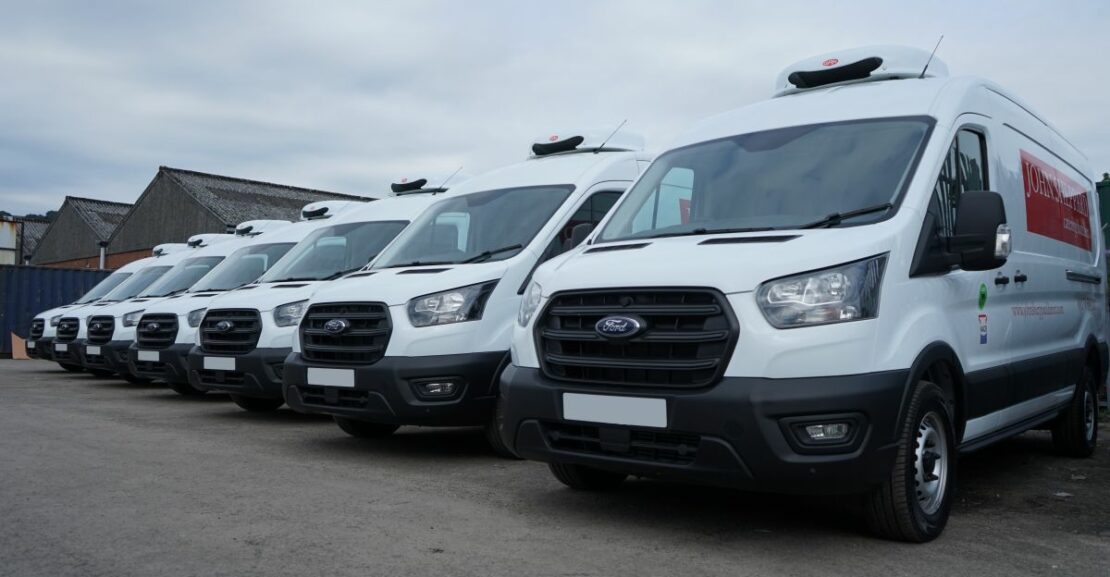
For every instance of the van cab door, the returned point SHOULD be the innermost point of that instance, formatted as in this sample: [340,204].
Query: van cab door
[976,302]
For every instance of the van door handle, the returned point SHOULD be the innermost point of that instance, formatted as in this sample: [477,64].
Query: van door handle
[1083,278]
[1020,277]
[1002,279]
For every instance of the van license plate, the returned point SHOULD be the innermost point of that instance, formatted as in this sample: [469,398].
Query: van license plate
[31,344]
[149,356]
[332,377]
[61,347]
[219,364]
[92,351]
[635,411]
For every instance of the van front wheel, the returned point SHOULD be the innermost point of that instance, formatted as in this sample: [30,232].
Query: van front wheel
[913,503]
[1075,433]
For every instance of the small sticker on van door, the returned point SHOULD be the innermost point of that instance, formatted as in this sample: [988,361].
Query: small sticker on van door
[982,329]
[982,295]
[1055,205]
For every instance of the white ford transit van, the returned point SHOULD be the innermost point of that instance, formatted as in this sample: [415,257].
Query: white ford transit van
[837,290]
[247,333]
[420,338]
[44,325]
[72,328]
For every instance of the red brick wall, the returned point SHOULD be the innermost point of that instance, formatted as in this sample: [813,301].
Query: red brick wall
[114,261]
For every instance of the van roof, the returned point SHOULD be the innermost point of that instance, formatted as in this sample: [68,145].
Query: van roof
[940,98]
[547,170]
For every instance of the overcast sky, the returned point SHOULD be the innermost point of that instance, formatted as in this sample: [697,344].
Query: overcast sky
[349,96]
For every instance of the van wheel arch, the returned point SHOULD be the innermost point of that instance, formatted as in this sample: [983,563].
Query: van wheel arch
[939,364]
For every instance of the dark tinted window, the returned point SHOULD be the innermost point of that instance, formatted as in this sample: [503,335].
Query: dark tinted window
[964,169]
[242,267]
[104,287]
[591,212]
[335,249]
[182,276]
[137,283]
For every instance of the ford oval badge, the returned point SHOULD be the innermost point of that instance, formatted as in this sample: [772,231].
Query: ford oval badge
[619,326]
[151,327]
[336,326]
[225,326]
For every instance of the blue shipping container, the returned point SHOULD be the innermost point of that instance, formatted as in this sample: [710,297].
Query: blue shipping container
[29,290]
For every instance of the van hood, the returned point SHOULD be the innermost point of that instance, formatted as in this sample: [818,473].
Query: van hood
[730,263]
[266,296]
[180,304]
[118,309]
[397,286]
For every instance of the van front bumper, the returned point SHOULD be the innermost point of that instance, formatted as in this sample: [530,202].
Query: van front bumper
[70,356]
[42,348]
[171,365]
[742,433]
[387,391]
[257,373]
[112,357]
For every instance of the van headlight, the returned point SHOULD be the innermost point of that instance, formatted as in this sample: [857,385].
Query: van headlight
[290,314]
[132,318]
[195,317]
[529,303]
[848,292]
[453,306]
[54,320]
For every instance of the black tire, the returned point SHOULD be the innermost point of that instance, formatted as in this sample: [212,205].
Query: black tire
[493,435]
[134,379]
[914,503]
[583,478]
[1075,433]
[185,389]
[72,368]
[257,405]
[100,373]
[365,429]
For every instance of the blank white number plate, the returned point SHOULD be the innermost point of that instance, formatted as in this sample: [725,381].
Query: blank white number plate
[91,350]
[332,377]
[149,356]
[219,364]
[61,347]
[30,344]
[636,411]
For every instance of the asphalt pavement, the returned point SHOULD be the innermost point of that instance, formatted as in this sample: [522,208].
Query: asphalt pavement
[100,477]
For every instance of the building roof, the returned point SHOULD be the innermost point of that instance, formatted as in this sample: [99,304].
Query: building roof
[33,231]
[235,200]
[102,216]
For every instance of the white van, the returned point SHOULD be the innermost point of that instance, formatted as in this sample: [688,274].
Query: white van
[165,327]
[420,338]
[72,329]
[43,326]
[247,333]
[817,294]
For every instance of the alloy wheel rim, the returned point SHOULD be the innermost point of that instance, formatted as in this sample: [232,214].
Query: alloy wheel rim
[1090,413]
[931,462]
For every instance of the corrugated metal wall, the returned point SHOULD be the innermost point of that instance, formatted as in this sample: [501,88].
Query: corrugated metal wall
[28,290]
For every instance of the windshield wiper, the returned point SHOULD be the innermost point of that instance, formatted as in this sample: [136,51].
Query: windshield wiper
[836,217]
[338,274]
[486,254]
[702,230]
[420,263]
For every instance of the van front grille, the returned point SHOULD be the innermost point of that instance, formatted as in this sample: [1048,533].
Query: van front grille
[640,444]
[230,332]
[685,339]
[156,331]
[101,329]
[359,334]
[68,329]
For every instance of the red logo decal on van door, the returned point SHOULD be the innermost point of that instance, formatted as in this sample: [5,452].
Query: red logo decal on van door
[830,62]
[1055,205]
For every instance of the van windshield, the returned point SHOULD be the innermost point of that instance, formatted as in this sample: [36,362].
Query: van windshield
[103,287]
[335,250]
[778,179]
[182,276]
[482,226]
[136,284]
[242,267]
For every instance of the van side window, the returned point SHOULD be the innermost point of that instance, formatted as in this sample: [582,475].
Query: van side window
[668,204]
[965,168]
[592,211]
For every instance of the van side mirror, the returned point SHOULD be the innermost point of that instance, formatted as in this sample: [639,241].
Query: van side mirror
[981,239]
[580,232]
